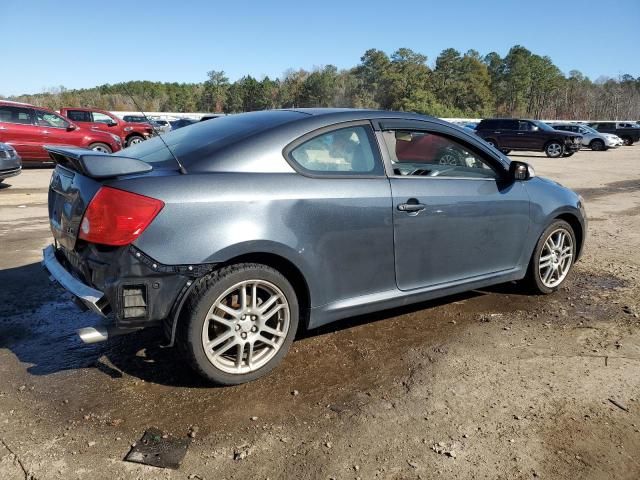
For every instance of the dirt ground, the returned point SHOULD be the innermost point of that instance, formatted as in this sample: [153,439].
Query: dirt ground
[489,384]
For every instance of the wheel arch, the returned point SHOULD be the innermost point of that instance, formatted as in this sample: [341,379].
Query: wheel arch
[287,268]
[577,227]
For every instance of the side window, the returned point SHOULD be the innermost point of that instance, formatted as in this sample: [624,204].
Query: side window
[101,118]
[347,151]
[417,153]
[524,126]
[15,115]
[509,125]
[79,116]
[48,119]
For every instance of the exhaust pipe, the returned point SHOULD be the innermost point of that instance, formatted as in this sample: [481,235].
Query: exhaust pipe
[93,334]
[101,333]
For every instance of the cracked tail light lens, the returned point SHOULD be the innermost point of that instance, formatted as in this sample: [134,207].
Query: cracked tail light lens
[115,217]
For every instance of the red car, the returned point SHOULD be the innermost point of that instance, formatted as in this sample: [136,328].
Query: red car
[130,133]
[28,128]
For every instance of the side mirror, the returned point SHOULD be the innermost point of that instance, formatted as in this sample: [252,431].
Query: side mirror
[71,127]
[112,123]
[521,171]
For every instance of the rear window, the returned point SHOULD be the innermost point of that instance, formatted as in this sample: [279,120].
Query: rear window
[79,116]
[203,139]
[12,114]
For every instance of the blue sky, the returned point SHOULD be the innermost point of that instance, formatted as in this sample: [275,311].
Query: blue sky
[82,44]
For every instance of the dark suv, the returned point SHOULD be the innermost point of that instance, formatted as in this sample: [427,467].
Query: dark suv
[508,134]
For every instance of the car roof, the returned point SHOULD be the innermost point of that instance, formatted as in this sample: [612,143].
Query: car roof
[17,104]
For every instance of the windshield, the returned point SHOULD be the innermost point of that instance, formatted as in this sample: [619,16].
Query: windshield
[542,126]
[589,129]
[202,139]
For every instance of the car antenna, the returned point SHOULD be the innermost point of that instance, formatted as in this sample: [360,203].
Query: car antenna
[181,167]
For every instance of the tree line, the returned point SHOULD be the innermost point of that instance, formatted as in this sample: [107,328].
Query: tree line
[520,84]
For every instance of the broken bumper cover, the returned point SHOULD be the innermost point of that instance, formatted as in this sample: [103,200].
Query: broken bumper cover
[136,289]
[90,297]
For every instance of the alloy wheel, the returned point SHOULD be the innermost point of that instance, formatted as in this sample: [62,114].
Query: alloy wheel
[554,150]
[246,326]
[100,148]
[556,258]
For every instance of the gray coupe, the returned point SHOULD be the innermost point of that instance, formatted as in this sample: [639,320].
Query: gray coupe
[236,233]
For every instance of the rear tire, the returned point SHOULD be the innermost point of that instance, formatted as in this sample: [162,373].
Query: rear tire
[229,340]
[100,147]
[552,259]
[554,149]
[597,145]
[627,141]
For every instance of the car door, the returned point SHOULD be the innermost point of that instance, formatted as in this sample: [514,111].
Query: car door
[53,130]
[456,216]
[509,137]
[17,129]
[530,136]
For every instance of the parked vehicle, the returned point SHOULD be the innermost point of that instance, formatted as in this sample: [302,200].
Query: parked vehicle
[27,129]
[135,119]
[591,138]
[508,134]
[276,220]
[160,125]
[10,162]
[182,122]
[629,135]
[129,132]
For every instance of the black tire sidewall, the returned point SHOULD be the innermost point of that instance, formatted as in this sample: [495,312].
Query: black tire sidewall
[199,308]
[133,137]
[533,273]
[102,145]
[600,143]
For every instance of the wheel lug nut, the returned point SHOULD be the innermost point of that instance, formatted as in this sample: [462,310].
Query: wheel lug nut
[254,329]
[243,335]
[243,317]
[237,327]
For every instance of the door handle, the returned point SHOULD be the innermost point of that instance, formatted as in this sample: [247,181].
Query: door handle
[46,132]
[3,128]
[520,133]
[411,207]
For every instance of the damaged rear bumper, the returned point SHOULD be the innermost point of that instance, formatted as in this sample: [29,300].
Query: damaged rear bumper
[135,290]
[90,297]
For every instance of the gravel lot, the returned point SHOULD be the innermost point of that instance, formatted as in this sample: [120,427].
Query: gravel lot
[489,384]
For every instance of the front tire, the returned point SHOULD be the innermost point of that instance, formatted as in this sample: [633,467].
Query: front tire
[100,147]
[597,145]
[552,258]
[627,141]
[554,149]
[134,140]
[239,323]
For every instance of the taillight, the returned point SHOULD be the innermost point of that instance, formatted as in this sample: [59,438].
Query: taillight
[116,217]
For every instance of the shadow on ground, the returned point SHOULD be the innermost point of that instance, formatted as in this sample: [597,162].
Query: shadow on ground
[39,324]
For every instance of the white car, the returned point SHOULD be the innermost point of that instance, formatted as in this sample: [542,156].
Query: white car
[591,138]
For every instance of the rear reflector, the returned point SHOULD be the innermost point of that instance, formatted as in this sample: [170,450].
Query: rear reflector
[115,217]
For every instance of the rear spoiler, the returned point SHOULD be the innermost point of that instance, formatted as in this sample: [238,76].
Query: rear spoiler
[96,164]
